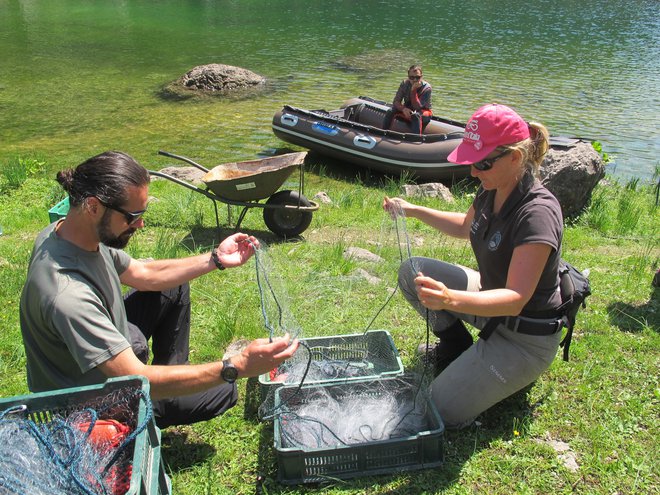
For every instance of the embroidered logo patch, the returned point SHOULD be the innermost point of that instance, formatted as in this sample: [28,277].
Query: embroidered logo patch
[495,241]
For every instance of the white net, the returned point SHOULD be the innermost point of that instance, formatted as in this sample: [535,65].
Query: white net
[341,389]
[85,449]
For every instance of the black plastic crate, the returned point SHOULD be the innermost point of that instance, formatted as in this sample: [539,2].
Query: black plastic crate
[298,465]
[376,345]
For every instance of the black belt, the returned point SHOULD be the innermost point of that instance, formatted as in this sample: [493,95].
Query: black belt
[518,324]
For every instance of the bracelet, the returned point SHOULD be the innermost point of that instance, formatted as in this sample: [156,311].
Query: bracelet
[216,260]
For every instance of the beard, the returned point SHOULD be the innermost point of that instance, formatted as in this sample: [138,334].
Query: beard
[108,238]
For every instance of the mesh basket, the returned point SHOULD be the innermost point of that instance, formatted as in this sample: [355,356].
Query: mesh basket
[375,348]
[142,458]
[305,464]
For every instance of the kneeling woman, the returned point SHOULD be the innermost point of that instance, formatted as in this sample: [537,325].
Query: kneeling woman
[515,230]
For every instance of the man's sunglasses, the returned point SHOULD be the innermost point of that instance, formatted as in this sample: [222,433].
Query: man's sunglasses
[130,216]
[414,78]
[487,163]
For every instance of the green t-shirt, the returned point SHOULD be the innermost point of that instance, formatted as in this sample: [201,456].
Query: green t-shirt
[72,312]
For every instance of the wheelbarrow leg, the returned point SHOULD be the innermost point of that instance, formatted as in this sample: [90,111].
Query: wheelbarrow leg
[217,218]
[240,217]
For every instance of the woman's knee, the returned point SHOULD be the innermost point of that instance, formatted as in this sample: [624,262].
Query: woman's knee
[406,279]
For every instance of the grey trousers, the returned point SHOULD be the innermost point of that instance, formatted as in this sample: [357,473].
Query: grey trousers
[490,370]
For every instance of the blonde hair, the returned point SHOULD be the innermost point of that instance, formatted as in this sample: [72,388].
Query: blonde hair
[534,148]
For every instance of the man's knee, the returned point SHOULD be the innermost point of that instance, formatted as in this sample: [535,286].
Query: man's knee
[179,294]
[194,408]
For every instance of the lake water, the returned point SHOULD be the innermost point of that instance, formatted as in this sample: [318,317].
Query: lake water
[81,76]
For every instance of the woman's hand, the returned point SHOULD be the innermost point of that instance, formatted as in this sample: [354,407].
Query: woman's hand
[396,207]
[237,249]
[433,294]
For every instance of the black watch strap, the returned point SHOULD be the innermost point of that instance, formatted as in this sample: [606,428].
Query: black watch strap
[216,260]
[229,372]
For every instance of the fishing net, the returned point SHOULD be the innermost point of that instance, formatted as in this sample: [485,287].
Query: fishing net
[336,414]
[342,389]
[76,449]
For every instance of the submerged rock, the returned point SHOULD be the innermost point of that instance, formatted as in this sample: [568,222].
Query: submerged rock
[216,79]
[376,61]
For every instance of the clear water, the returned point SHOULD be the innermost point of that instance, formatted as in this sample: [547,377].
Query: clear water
[81,76]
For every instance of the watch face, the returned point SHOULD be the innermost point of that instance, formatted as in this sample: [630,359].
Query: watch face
[229,372]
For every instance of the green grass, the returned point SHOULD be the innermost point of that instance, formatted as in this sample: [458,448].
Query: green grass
[604,403]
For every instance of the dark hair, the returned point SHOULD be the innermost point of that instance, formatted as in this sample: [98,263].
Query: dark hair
[415,67]
[106,176]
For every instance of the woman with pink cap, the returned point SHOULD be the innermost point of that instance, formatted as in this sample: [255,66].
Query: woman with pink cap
[515,228]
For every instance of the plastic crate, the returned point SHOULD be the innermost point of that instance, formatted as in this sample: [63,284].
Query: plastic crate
[376,344]
[59,210]
[312,465]
[148,476]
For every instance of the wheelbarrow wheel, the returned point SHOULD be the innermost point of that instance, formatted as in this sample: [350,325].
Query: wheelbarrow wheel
[287,222]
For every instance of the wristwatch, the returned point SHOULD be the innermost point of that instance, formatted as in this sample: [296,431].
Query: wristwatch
[216,260]
[229,372]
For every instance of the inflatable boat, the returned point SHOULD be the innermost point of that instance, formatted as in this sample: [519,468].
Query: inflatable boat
[354,133]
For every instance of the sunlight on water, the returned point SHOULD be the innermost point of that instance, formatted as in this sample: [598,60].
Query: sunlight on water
[78,77]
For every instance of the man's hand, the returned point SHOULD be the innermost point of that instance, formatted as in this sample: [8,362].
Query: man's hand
[237,249]
[261,355]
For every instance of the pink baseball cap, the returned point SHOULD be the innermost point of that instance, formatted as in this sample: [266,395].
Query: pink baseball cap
[491,126]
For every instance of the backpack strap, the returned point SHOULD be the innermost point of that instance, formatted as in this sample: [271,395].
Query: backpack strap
[566,341]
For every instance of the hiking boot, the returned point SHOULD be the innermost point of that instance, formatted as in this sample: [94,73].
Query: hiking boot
[454,340]
[439,355]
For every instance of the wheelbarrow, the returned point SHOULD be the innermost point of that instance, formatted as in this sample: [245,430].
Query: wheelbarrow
[286,213]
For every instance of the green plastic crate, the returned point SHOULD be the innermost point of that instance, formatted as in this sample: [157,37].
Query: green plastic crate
[376,344]
[148,476]
[313,465]
[59,210]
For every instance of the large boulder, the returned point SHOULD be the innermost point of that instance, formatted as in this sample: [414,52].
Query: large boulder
[571,173]
[216,79]
[429,190]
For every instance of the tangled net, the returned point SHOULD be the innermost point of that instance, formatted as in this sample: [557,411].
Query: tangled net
[344,389]
[85,449]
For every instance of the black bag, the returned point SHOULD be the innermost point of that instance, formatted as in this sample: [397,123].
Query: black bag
[575,288]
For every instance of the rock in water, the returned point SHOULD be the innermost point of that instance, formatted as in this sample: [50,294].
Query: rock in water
[218,79]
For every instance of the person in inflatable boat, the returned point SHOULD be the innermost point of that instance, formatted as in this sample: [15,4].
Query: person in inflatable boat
[412,102]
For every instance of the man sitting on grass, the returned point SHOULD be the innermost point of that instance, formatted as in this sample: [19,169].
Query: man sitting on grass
[78,328]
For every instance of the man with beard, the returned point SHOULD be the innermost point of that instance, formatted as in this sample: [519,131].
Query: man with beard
[78,328]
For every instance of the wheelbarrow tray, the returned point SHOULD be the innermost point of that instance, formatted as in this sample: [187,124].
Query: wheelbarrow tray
[252,180]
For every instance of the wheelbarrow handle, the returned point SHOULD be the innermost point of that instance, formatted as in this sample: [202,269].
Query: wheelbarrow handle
[182,158]
[192,187]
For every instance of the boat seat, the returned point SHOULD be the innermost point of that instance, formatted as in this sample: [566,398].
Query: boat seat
[368,115]
[435,127]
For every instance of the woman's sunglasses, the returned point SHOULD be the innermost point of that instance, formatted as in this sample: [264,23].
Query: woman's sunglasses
[414,78]
[487,163]
[130,216]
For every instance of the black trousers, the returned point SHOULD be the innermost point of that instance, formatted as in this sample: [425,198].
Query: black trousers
[164,318]
[417,122]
